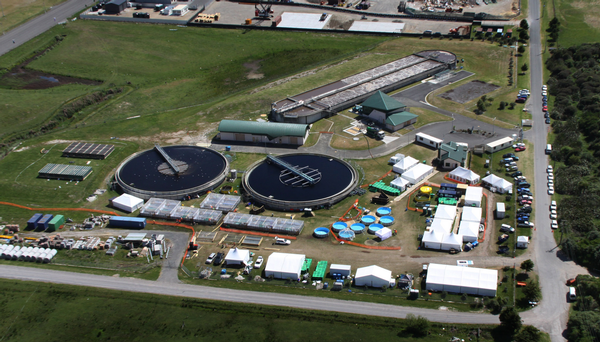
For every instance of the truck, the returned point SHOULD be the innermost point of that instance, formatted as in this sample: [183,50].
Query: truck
[375,133]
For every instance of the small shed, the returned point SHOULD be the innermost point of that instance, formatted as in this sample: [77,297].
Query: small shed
[384,233]
[522,241]
[373,276]
[338,269]
[500,210]
[237,257]
[115,6]
[396,158]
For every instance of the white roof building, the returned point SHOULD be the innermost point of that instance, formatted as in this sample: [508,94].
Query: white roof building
[464,175]
[284,265]
[501,184]
[433,239]
[127,203]
[405,164]
[445,212]
[522,241]
[469,231]
[452,241]
[400,183]
[441,225]
[417,173]
[472,214]
[237,256]
[456,279]
[344,270]
[473,196]
[499,144]
[373,276]
[384,233]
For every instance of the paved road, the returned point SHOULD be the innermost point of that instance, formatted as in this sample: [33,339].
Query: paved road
[553,269]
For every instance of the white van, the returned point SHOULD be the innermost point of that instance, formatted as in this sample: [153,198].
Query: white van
[572,294]
[548,149]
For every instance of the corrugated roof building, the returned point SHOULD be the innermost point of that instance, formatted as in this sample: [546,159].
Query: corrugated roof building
[388,111]
[264,132]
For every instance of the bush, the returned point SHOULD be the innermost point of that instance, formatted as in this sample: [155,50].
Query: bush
[418,326]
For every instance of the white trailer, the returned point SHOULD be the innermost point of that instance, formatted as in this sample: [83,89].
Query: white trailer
[428,140]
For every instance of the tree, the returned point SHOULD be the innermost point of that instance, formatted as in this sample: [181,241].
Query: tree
[532,291]
[527,265]
[528,334]
[481,105]
[418,326]
[510,319]
[523,35]
[512,105]
[521,49]
[525,67]
[524,24]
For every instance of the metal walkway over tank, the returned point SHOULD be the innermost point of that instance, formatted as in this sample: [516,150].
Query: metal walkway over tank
[168,159]
[300,178]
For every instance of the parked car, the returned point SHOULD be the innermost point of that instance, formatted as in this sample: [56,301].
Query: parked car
[553,216]
[503,249]
[550,184]
[525,224]
[512,168]
[523,185]
[516,174]
[545,87]
[524,210]
[210,258]
[507,229]
[258,262]
[520,149]
[280,241]
[550,177]
[502,238]
[553,205]
[551,191]
[508,155]
[554,224]
[546,115]
[219,258]
[548,120]
[549,169]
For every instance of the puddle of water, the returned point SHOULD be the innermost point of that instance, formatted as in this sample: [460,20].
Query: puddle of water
[51,79]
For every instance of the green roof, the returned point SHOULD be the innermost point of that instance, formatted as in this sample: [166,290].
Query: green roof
[271,129]
[398,118]
[382,102]
[451,150]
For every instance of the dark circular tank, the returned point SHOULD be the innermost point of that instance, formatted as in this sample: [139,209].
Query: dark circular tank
[269,183]
[147,174]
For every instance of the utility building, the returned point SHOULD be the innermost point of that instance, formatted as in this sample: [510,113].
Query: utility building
[264,132]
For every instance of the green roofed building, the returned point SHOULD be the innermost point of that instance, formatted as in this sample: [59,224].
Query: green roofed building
[263,132]
[388,111]
[452,155]
[66,172]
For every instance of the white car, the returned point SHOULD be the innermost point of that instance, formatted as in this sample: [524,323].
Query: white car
[553,205]
[550,191]
[551,177]
[258,262]
[554,224]
[550,184]
[280,241]
[210,258]
[549,169]
[544,93]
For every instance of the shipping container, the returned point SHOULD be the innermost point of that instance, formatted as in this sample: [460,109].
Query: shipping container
[127,222]
[56,222]
[42,224]
[32,223]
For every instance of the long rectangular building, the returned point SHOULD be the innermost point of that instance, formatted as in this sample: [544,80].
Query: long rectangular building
[88,150]
[67,172]
[457,279]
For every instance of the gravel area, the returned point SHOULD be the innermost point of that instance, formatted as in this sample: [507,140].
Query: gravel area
[468,92]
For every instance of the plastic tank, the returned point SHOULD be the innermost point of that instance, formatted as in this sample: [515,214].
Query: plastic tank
[339,226]
[347,234]
[368,219]
[321,232]
[375,227]
[387,221]
[358,228]
[384,211]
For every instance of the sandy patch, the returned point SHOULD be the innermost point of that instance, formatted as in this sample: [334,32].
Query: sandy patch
[253,74]
[592,11]
[52,142]
[22,149]
[202,136]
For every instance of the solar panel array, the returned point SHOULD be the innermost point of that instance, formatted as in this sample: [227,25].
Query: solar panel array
[88,150]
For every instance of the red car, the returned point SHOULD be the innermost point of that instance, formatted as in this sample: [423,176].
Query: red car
[545,108]
[519,149]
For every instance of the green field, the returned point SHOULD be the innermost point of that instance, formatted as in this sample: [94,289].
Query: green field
[579,20]
[15,12]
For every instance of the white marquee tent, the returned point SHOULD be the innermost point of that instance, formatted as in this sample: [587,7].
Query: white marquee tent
[452,241]
[445,212]
[501,184]
[405,164]
[469,231]
[472,214]
[127,203]
[400,183]
[237,256]
[464,175]
[373,276]
[442,226]
[384,233]
[473,196]
[417,173]
[433,239]
[284,265]
[457,279]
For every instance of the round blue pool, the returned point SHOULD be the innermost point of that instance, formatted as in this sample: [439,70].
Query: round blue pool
[321,232]
[387,221]
[358,228]
[375,227]
[347,235]
[384,211]
[368,219]
[339,226]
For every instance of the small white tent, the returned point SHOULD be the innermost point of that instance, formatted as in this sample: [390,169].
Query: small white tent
[452,241]
[373,276]
[127,203]
[501,184]
[399,183]
[445,212]
[522,241]
[464,175]
[469,231]
[384,233]
[405,164]
[441,225]
[417,173]
[237,257]
[473,196]
[433,239]
[284,265]
[472,214]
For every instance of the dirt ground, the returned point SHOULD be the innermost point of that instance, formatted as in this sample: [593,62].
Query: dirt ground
[469,91]
[501,7]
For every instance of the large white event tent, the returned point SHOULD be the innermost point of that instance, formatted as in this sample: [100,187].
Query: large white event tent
[452,241]
[473,196]
[445,212]
[373,276]
[284,265]
[404,164]
[456,279]
[442,226]
[237,256]
[127,203]
[472,214]
[433,239]
[501,184]
[464,175]
[469,230]
[417,173]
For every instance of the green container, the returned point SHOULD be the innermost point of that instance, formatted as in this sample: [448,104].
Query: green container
[56,222]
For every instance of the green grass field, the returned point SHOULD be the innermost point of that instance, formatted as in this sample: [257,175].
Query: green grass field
[15,12]
[579,20]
